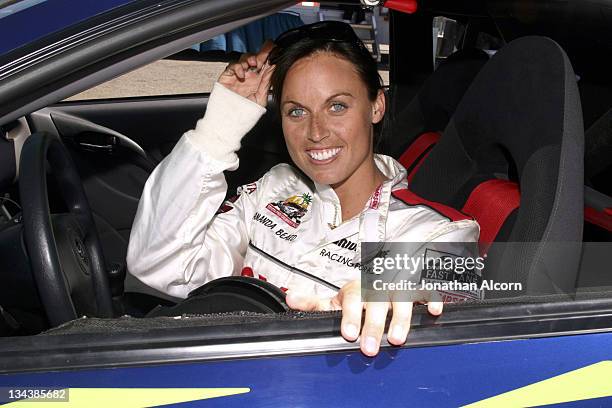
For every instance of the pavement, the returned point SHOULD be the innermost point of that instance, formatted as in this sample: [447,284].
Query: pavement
[165,77]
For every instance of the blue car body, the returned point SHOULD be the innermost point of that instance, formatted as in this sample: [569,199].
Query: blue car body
[561,357]
[513,373]
[27,21]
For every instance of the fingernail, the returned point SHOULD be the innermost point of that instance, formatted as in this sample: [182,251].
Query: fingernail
[351,331]
[436,308]
[397,333]
[291,294]
[370,345]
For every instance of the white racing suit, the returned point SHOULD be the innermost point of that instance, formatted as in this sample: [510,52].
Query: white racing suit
[283,228]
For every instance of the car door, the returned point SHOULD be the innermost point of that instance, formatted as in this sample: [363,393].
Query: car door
[487,355]
[117,142]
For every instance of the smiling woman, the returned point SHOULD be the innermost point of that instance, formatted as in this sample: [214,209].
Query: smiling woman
[526,98]
[330,101]
[283,227]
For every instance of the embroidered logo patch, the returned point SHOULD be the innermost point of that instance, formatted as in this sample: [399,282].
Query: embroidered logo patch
[292,209]
[249,188]
[375,199]
[227,205]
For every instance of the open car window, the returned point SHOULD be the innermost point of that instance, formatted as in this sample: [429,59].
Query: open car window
[195,70]
[117,132]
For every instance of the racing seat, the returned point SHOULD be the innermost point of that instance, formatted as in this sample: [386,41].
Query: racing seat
[417,127]
[598,169]
[512,157]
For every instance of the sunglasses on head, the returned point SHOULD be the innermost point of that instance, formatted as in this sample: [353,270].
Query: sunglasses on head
[332,31]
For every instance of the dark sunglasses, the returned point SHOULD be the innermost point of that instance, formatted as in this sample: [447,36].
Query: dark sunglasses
[333,31]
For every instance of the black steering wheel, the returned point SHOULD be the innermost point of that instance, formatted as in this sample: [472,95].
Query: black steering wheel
[64,249]
[227,295]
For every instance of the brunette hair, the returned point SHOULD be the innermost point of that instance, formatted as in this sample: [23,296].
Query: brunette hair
[363,63]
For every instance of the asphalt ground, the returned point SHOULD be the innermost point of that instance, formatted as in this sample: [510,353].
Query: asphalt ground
[163,77]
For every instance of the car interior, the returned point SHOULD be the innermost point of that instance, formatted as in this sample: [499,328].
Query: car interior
[512,126]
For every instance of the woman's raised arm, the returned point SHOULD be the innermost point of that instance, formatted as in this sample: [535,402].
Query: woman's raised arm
[177,229]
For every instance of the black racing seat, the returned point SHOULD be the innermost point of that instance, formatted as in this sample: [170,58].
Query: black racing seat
[598,170]
[598,154]
[517,136]
[428,112]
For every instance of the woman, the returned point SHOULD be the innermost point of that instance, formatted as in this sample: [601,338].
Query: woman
[298,229]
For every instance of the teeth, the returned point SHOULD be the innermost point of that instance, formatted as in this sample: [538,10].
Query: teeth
[324,154]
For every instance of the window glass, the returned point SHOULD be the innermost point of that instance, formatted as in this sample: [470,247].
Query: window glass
[195,70]
[447,37]
[8,7]
[163,77]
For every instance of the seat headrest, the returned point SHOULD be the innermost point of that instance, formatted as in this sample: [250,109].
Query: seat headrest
[521,111]
[437,99]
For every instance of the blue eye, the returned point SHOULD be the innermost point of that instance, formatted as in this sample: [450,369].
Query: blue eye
[296,112]
[338,107]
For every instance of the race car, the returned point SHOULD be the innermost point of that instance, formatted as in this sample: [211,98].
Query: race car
[499,109]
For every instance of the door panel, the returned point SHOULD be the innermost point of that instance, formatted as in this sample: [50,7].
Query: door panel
[531,372]
[116,144]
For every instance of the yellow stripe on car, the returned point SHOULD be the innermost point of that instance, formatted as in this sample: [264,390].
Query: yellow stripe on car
[131,397]
[585,383]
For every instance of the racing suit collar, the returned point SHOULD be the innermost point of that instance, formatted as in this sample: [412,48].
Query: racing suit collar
[371,222]
[373,219]
[393,171]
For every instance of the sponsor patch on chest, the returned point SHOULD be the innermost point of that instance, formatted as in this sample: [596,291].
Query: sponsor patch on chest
[339,258]
[292,209]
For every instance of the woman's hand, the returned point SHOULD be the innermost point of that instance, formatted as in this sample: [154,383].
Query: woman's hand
[250,76]
[349,301]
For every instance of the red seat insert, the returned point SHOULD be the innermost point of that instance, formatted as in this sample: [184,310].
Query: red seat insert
[491,203]
[418,150]
[602,219]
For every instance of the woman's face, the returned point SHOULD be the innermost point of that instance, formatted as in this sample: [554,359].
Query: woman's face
[328,119]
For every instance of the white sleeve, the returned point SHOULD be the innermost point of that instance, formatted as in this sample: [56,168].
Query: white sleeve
[177,228]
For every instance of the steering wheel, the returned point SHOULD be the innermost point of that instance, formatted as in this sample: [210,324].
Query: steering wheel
[229,294]
[64,249]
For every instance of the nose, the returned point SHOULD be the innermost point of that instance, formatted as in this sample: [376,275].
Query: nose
[318,129]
